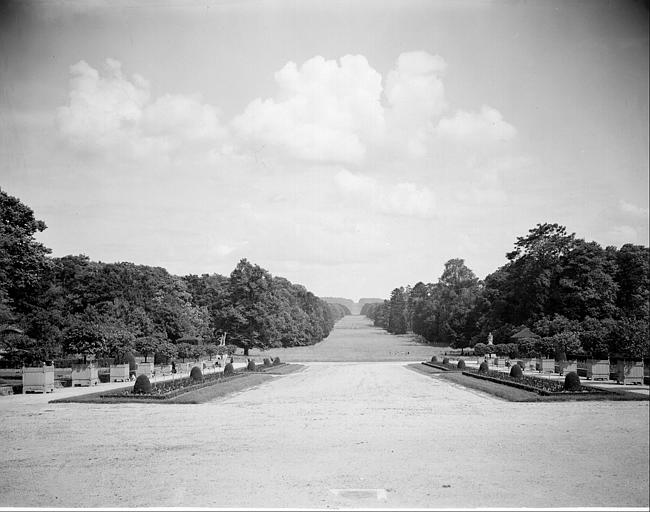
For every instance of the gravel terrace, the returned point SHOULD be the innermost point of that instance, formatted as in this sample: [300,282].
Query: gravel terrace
[334,435]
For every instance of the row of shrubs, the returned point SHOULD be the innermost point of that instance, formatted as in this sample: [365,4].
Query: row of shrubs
[571,380]
[143,385]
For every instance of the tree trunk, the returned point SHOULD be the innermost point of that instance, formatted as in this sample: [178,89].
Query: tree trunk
[245,351]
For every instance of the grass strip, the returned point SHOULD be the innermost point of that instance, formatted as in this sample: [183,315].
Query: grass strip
[220,387]
[513,394]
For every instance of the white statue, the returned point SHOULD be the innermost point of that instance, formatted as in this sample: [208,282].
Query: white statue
[489,339]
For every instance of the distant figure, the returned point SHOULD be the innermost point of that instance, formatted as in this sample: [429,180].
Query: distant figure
[173,367]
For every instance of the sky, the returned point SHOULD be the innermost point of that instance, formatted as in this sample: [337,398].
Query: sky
[349,146]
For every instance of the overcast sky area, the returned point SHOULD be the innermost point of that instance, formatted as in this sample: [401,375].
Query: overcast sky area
[350,146]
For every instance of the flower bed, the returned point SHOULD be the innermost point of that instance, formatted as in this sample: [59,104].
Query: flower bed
[529,383]
[171,388]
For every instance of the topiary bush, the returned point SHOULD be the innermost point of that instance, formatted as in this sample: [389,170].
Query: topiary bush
[461,365]
[484,367]
[516,372]
[276,361]
[572,382]
[142,385]
[521,364]
[196,374]
[445,360]
[434,359]
[251,366]
[267,361]
[229,369]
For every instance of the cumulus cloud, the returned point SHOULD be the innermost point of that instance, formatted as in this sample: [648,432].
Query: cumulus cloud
[415,96]
[325,110]
[487,125]
[108,111]
[396,199]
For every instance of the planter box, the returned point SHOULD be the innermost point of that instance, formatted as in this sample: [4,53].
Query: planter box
[568,366]
[166,369]
[629,372]
[144,369]
[84,375]
[529,364]
[500,362]
[183,367]
[38,379]
[598,369]
[546,365]
[119,372]
[208,364]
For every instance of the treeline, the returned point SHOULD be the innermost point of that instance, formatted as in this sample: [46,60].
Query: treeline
[53,307]
[577,297]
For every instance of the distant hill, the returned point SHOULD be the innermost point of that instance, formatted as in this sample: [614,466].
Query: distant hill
[354,307]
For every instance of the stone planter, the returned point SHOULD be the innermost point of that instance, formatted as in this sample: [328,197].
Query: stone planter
[529,363]
[84,375]
[119,372]
[144,369]
[39,379]
[629,372]
[598,369]
[166,369]
[183,367]
[546,365]
[568,366]
[500,362]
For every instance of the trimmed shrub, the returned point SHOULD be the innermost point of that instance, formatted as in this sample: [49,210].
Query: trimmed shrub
[229,369]
[445,360]
[572,382]
[516,372]
[484,367]
[538,367]
[142,385]
[521,364]
[461,365]
[196,374]
[434,359]
[276,361]
[251,366]
[267,361]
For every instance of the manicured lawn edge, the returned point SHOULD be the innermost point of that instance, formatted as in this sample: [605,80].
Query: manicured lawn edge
[512,394]
[199,393]
[440,366]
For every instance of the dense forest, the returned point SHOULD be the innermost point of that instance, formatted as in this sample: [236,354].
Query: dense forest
[73,307]
[575,296]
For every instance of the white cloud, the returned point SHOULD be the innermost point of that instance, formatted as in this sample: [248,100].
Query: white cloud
[325,111]
[396,199]
[484,126]
[633,210]
[108,112]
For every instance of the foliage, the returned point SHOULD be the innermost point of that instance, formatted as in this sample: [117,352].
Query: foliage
[196,374]
[83,338]
[480,349]
[276,361]
[142,385]
[572,382]
[267,361]
[229,369]
[445,360]
[483,367]
[434,359]
[251,366]
[461,364]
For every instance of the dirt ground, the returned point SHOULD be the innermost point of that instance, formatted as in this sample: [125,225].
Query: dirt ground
[334,435]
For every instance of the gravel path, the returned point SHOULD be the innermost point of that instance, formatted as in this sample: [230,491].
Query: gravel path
[339,435]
